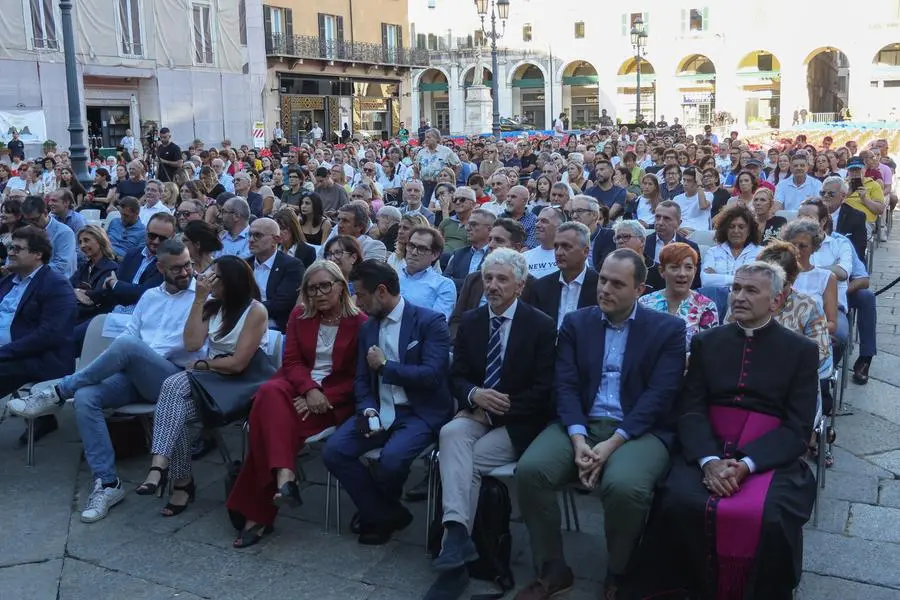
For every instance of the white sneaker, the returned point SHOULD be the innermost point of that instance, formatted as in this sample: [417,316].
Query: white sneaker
[101,500]
[44,402]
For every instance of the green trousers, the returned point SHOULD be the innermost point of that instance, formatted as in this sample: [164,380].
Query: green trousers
[626,489]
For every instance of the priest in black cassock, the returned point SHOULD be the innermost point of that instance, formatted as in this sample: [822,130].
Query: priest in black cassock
[728,520]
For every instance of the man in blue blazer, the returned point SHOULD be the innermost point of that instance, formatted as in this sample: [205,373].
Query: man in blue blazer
[37,315]
[668,220]
[402,400]
[619,369]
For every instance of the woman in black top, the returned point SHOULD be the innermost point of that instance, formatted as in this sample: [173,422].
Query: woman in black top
[209,179]
[67,180]
[313,223]
[769,223]
[135,185]
[88,280]
[713,185]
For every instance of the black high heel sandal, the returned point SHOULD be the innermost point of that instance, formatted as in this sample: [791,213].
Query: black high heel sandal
[154,489]
[252,536]
[288,494]
[173,510]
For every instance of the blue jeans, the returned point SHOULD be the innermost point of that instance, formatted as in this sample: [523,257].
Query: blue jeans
[866,318]
[127,372]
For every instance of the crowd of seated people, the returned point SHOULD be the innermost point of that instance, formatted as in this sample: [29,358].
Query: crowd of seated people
[503,327]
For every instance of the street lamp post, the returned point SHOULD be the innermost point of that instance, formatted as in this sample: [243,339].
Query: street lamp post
[77,150]
[639,43]
[499,10]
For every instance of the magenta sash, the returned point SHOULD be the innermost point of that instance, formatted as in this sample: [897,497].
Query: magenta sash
[738,519]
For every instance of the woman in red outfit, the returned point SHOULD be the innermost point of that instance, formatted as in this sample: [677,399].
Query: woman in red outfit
[312,391]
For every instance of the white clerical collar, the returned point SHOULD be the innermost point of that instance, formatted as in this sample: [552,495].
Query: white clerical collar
[751,331]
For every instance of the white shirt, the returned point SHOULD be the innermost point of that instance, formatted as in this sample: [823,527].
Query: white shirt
[568,295]
[147,212]
[158,320]
[316,133]
[540,261]
[659,247]
[792,195]
[724,263]
[644,212]
[836,251]
[389,342]
[509,313]
[692,216]
[261,272]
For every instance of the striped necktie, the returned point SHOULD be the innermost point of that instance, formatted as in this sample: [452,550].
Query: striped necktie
[495,354]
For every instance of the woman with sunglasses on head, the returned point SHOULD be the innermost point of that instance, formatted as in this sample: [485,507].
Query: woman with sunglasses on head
[93,272]
[312,391]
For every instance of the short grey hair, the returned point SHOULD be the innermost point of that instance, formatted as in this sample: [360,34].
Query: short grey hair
[465,191]
[490,216]
[774,273]
[845,187]
[583,233]
[577,157]
[417,182]
[559,185]
[217,161]
[155,182]
[363,189]
[391,212]
[803,227]
[433,132]
[635,227]
[509,257]
[592,203]
[239,206]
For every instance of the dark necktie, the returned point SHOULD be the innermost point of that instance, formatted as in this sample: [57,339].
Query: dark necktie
[494,354]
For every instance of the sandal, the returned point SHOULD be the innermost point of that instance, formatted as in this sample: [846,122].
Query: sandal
[829,459]
[172,510]
[154,489]
[252,535]
[288,494]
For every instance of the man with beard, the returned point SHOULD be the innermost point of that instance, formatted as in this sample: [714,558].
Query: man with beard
[607,194]
[131,370]
[235,234]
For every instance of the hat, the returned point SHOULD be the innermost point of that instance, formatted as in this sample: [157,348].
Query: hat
[754,163]
[322,172]
[856,163]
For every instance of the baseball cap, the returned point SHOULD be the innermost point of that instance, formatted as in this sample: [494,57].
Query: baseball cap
[322,172]
[856,163]
[754,163]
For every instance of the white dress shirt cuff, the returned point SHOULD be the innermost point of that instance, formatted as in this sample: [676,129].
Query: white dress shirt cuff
[577,430]
[750,464]
[706,459]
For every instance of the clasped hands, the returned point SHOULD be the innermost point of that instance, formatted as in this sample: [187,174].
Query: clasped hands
[590,461]
[723,477]
[314,402]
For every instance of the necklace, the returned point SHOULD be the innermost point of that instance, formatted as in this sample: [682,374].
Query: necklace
[326,335]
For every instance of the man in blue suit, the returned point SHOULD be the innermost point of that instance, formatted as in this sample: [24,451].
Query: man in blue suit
[619,369]
[37,315]
[402,400]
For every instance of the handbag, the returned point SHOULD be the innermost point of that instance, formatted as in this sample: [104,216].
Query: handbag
[222,399]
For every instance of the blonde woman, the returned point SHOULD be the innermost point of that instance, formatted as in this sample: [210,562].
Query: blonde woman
[170,195]
[292,241]
[89,278]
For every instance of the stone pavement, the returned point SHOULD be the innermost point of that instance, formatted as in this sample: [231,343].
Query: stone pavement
[135,554]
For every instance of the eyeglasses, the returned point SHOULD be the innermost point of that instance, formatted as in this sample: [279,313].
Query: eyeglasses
[156,237]
[623,239]
[14,249]
[175,269]
[183,214]
[459,199]
[368,170]
[258,235]
[320,289]
[825,194]
[417,248]
[581,211]
[334,255]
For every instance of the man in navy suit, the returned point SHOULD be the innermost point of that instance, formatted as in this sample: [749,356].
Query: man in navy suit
[574,285]
[468,260]
[619,369]
[668,220]
[37,315]
[845,219]
[277,274]
[402,400]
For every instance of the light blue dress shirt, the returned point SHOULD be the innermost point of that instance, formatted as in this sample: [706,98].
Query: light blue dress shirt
[145,262]
[477,258]
[74,220]
[10,304]
[238,245]
[122,238]
[62,239]
[607,401]
[428,289]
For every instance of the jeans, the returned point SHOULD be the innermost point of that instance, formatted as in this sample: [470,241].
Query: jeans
[864,303]
[127,372]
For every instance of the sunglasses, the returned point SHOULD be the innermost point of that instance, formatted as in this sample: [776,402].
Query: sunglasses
[459,199]
[156,237]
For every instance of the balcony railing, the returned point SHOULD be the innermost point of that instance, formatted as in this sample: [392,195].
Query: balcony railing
[309,46]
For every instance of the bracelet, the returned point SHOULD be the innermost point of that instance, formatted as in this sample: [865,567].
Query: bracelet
[205,365]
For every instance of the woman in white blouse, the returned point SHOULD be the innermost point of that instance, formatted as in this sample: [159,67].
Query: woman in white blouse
[737,239]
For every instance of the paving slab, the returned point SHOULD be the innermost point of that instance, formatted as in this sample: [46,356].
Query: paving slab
[841,485]
[856,559]
[874,523]
[889,494]
[888,460]
[84,581]
[818,587]
[866,433]
[34,581]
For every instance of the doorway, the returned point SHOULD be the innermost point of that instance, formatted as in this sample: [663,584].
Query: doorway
[107,126]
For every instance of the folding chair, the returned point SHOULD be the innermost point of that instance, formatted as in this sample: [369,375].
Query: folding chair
[703,237]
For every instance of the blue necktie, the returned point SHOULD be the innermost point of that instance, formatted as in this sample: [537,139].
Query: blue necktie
[495,354]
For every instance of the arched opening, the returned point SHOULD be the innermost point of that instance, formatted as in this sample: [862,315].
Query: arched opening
[696,76]
[828,86]
[760,75]
[469,77]
[628,90]
[434,100]
[580,95]
[528,96]
[886,81]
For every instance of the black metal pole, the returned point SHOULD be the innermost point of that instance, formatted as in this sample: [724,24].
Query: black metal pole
[637,113]
[77,149]
[495,89]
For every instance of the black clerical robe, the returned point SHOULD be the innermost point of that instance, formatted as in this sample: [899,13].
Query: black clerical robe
[747,394]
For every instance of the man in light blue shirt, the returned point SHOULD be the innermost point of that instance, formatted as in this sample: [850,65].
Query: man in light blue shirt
[127,232]
[236,235]
[61,202]
[225,179]
[419,283]
[62,238]
[791,192]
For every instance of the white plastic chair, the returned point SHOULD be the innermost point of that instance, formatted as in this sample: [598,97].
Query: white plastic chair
[703,237]
[90,214]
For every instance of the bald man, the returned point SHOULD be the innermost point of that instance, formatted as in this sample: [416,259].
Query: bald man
[516,204]
[277,274]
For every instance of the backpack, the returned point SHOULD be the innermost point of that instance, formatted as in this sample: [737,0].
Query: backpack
[490,533]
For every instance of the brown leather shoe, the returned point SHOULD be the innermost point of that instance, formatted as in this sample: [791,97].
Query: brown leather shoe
[556,579]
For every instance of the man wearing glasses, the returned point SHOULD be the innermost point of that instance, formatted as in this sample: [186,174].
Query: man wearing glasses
[468,259]
[235,236]
[277,274]
[454,229]
[243,187]
[419,283]
[62,239]
[489,162]
[131,370]
[189,210]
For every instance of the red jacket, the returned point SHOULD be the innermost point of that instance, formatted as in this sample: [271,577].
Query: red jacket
[300,358]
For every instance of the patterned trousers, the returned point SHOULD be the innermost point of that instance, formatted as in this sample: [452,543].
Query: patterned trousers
[171,435]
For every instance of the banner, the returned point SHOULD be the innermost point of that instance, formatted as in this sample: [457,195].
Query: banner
[30,124]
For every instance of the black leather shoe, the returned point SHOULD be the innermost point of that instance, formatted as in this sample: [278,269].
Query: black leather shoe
[42,426]
[418,492]
[861,371]
[377,534]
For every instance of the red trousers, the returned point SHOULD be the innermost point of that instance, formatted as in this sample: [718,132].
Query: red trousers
[277,435]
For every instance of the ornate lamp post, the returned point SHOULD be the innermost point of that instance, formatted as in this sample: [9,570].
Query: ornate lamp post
[77,150]
[499,9]
[639,43]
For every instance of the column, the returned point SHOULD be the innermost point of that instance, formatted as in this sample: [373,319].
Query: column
[794,93]
[728,97]
[412,123]
[860,93]
[456,95]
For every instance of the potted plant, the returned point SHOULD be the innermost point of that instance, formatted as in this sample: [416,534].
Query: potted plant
[4,149]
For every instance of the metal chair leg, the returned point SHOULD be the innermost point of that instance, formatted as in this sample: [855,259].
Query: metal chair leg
[337,504]
[565,500]
[823,449]
[430,496]
[328,502]
[29,424]
[571,496]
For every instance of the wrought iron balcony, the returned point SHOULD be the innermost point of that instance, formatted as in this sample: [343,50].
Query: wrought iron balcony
[314,47]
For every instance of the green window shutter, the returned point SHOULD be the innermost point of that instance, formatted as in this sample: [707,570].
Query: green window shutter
[706,18]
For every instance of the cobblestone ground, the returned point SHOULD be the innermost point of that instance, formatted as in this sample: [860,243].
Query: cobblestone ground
[47,553]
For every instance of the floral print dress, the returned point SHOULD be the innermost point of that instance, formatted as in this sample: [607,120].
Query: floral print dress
[697,311]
